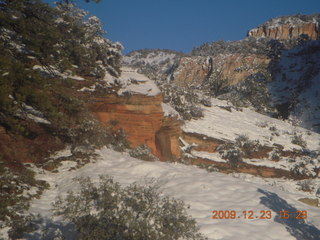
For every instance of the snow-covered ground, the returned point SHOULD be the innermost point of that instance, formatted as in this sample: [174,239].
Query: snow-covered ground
[132,82]
[297,81]
[220,123]
[203,191]
[225,122]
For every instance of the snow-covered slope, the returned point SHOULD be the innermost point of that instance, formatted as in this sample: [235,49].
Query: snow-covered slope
[223,121]
[156,64]
[204,192]
[132,82]
[297,84]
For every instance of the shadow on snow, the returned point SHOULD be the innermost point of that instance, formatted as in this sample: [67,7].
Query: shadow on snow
[296,227]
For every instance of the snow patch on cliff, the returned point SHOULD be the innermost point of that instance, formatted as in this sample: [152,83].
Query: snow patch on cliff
[132,82]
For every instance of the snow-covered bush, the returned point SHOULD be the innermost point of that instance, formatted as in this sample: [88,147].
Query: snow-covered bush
[16,189]
[143,152]
[298,140]
[89,135]
[247,146]
[108,211]
[185,100]
[232,153]
[275,154]
[306,185]
[84,43]
[262,124]
[305,166]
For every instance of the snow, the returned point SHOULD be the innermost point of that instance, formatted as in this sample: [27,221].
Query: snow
[206,155]
[247,122]
[153,58]
[132,82]
[4,233]
[66,152]
[169,111]
[33,114]
[292,21]
[298,78]
[160,61]
[53,70]
[74,77]
[38,119]
[203,191]
[88,89]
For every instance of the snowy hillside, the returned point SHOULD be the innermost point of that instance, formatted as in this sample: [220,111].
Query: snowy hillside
[291,148]
[297,84]
[204,192]
[69,101]
[156,64]
[225,122]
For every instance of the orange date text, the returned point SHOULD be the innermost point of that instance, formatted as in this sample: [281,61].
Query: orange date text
[263,214]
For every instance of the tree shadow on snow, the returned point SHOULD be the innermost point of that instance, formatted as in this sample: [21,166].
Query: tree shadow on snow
[47,229]
[296,227]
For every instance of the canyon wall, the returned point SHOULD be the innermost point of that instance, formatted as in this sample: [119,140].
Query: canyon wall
[232,68]
[287,31]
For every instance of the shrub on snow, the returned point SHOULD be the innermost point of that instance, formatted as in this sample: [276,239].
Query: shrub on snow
[108,211]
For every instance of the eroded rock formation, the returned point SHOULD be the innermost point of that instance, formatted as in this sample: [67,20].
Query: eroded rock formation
[286,31]
[142,118]
[231,68]
[192,70]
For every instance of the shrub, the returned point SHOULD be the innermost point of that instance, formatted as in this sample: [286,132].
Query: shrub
[262,124]
[275,154]
[247,146]
[143,152]
[298,140]
[185,100]
[306,185]
[242,147]
[90,134]
[304,166]
[16,189]
[232,153]
[108,211]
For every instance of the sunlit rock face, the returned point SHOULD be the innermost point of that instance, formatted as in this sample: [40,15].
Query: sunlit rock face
[143,120]
[287,28]
[232,68]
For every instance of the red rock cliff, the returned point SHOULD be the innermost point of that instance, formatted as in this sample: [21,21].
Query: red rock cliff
[233,68]
[288,29]
[192,70]
[143,120]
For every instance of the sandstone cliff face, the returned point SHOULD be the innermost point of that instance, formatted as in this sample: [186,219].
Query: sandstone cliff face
[232,68]
[237,67]
[143,120]
[286,31]
[192,70]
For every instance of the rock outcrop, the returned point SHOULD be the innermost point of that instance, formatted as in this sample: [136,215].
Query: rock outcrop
[286,29]
[192,70]
[230,68]
[141,116]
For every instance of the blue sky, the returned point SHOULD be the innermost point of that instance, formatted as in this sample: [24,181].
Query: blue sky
[183,24]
